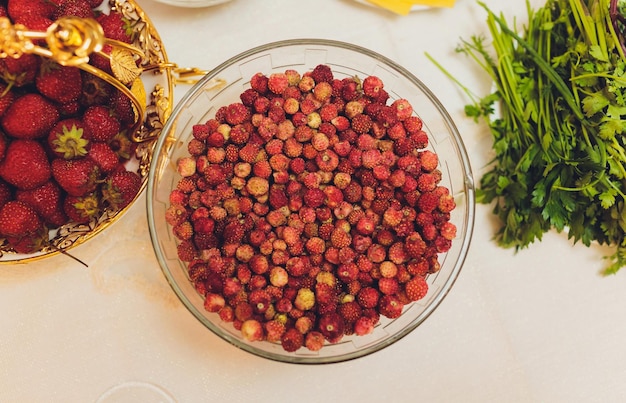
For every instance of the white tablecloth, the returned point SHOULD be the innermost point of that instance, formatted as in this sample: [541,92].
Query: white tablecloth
[538,326]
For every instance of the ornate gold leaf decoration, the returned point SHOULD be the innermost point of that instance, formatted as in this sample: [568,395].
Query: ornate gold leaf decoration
[124,66]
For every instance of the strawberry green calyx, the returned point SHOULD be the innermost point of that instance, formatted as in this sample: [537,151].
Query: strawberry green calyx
[71,143]
[81,209]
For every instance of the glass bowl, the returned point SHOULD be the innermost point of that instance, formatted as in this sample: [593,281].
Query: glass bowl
[222,86]
[157,87]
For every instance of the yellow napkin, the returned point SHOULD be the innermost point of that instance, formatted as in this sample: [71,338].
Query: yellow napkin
[403,7]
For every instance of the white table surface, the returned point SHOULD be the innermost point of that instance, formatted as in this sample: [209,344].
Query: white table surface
[538,326]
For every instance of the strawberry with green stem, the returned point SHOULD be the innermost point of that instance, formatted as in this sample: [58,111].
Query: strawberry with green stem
[22,227]
[69,139]
[120,188]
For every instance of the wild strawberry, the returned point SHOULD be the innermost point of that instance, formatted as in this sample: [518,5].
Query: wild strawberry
[327,160]
[277,83]
[69,139]
[257,186]
[77,177]
[186,251]
[446,203]
[322,91]
[388,286]
[120,188]
[429,160]
[236,113]
[403,108]
[363,326]
[390,306]
[371,158]
[30,116]
[101,122]
[59,83]
[314,340]
[233,233]
[332,326]
[258,82]
[25,165]
[413,124]
[372,86]
[214,302]
[361,123]
[416,288]
[82,209]
[427,202]
[183,231]
[322,73]
[292,340]
[448,230]
[306,83]
[368,297]
[274,330]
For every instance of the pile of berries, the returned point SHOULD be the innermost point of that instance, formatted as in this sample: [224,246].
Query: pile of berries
[310,208]
[63,133]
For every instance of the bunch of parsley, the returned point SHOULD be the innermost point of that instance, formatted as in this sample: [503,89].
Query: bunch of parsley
[559,131]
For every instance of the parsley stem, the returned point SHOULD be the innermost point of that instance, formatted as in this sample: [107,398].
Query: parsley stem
[541,63]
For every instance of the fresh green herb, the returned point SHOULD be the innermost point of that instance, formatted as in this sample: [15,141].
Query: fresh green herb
[560,127]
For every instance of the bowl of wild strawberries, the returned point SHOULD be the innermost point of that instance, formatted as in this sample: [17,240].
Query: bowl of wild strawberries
[74,154]
[311,201]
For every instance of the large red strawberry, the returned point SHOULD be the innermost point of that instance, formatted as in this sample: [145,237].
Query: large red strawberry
[69,139]
[101,123]
[120,188]
[20,71]
[62,84]
[24,231]
[81,209]
[104,157]
[25,164]
[20,8]
[77,177]
[115,26]
[47,201]
[76,8]
[29,117]
[36,23]
[17,219]
[122,106]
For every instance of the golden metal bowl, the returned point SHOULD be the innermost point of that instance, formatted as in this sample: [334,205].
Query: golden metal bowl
[152,95]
